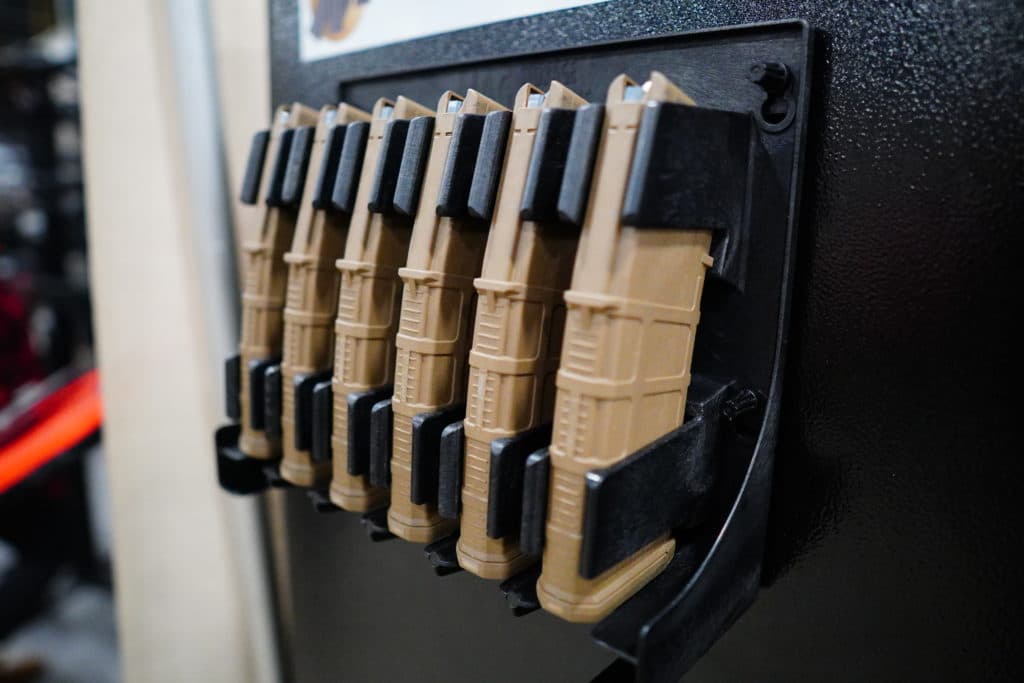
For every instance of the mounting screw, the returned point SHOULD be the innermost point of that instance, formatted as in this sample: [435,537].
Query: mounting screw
[743,402]
[772,76]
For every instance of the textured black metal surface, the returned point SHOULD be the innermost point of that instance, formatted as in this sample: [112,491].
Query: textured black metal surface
[489,162]
[906,272]
[254,167]
[346,182]
[547,164]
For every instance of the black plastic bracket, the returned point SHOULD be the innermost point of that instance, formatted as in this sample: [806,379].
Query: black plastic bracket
[426,451]
[328,171]
[621,515]
[693,169]
[505,487]
[535,502]
[304,387]
[385,177]
[380,443]
[457,179]
[574,193]
[449,486]
[547,165]
[490,160]
[254,167]
[350,165]
[275,184]
[238,473]
[443,556]
[298,163]
[414,163]
[375,522]
[323,422]
[521,591]
[272,401]
[359,405]
[257,402]
[233,387]
[321,501]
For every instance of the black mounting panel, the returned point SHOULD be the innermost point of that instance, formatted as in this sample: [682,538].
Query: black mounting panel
[660,632]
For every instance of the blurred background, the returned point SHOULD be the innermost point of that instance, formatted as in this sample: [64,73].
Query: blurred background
[132,96]
[56,608]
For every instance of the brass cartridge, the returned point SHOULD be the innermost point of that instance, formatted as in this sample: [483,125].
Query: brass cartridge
[632,314]
[312,294]
[263,291]
[518,333]
[369,297]
[435,326]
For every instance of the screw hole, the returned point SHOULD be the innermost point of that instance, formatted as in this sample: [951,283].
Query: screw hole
[776,113]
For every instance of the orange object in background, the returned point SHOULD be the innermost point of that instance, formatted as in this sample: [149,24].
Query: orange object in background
[70,415]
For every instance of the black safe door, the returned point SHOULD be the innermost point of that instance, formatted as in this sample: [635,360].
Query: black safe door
[894,511]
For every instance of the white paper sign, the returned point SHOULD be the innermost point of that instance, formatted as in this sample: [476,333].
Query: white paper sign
[334,27]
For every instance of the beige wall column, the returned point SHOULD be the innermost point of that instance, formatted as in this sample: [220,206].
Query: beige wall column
[191,586]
